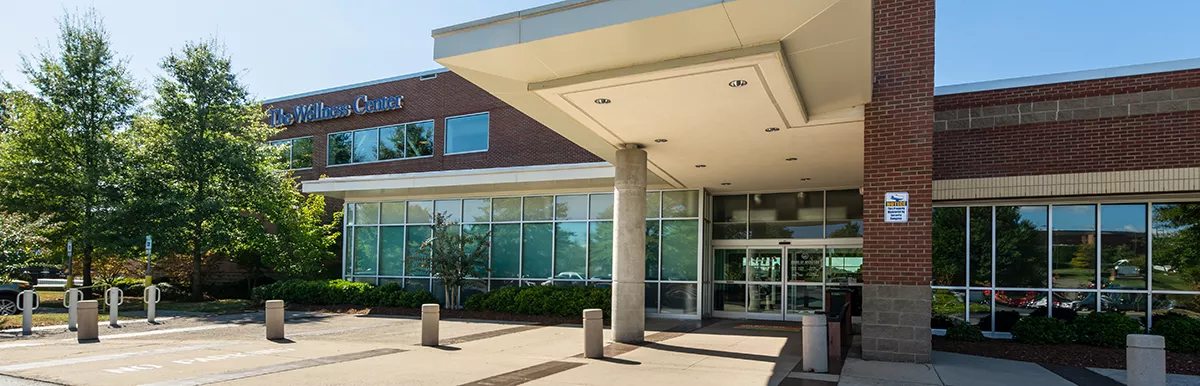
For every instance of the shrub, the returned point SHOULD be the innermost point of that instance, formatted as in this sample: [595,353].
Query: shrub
[941,321]
[965,332]
[1067,315]
[1105,329]
[1042,330]
[335,292]
[1005,320]
[543,300]
[1181,332]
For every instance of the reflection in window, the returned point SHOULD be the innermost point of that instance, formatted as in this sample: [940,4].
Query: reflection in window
[729,217]
[950,246]
[451,210]
[804,265]
[766,265]
[787,215]
[765,298]
[506,209]
[284,149]
[1021,246]
[844,265]
[467,134]
[729,264]
[805,299]
[539,208]
[418,139]
[391,251]
[339,148]
[416,261]
[477,210]
[679,298]
[570,251]
[391,142]
[420,212]
[302,151]
[600,250]
[652,204]
[1011,306]
[681,203]
[366,250]
[572,207]
[602,206]
[506,250]
[652,249]
[366,146]
[1123,246]
[729,297]
[391,212]
[537,244]
[680,247]
[1176,247]
[948,306]
[1074,246]
[845,213]
[981,246]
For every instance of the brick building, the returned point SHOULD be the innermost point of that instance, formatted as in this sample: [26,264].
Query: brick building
[745,159]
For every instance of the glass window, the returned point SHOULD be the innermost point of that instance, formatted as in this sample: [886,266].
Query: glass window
[391,142]
[391,251]
[1013,305]
[652,204]
[651,297]
[680,249]
[652,245]
[845,213]
[600,250]
[679,298]
[1177,304]
[284,152]
[366,213]
[766,298]
[506,209]
[1123,246]
[729,264]
[844,265]
[347,253]
[804,265]
[451,210]
[950,246]
[1176,248]
[602,206]
[302,151]
[416,260]
[475,237]
[418,140]
[574,207]
[948,304]
[787,215]
[729,297]
[570,251]
[766,265]
[414,285]
[391,212]
[420,212]
[1021,255]
[366,145]
[538,241]
[980,303]
[539,208]
[1074,235]
[681,203]
[467,134]
[805,299]
[366,250]
[506,250]
[729,217]
[339,148]
[477,210]
[981,246]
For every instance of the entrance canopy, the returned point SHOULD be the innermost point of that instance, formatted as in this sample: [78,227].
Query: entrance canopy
[745,95]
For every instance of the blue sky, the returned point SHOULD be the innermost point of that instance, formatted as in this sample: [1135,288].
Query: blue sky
[289,47]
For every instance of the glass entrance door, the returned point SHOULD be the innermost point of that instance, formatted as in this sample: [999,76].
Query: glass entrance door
[777,282]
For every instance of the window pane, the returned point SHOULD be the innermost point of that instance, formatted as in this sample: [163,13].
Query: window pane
[416,260]
[475,238]
[805,299]
[948,304]
[683,203]
[572,207]
[391,251]
[804,265]
[844,265]
[347,253]
[366,145]
[729,264]
[1123,246]
[392,213]
[845,213]
[1013,305]
[302,150]
[602,206]
[366,250]
[283,153]
[679,298]
[1176,247]
[420,212]
[729,297]
[537,241]
[1021,256]
[391,142]
[766,298]
[339,148]
[506,209]
[366,213]
[418,139]
[477,210]
[680,254]
[570,251]
[653,229]
[651,297]
[787,215]
[468,133]
[950,246]
[451,210]
[600,250]
[506,250]
[652,204]
[539,208]
[981,246]
[1181,305]
[1074,236]
[414,285]
[766,264]
[729,217]
[980,303]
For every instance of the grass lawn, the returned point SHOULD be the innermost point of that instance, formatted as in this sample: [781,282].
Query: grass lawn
[14,321]
[213,306]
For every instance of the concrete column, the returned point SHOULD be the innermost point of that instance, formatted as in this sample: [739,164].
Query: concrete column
[593,333]
[89,330]
[629,246]
[430,314]
[274,311]
[1145,360]
[815,343]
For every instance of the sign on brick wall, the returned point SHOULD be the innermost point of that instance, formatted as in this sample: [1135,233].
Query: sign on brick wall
[895,207]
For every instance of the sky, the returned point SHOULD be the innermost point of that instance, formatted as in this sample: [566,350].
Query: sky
[295,46]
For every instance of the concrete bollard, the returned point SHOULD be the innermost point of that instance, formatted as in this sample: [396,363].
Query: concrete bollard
[71,300]
[430,313]
[151,295]
[89,328]
[27,302]
[114,298]
[816,343]
[1145,360]
[593,333]
[274,319]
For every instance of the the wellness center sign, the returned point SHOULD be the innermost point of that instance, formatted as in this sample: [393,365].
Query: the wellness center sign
[319,111]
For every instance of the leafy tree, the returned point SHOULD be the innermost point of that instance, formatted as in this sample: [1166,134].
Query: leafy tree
[20,239]
[454,257]
[1177,242]
[59,156]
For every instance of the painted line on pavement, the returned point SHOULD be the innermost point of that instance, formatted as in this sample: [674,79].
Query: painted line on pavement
[98,358]
[168,331]
[15,345]
[272,369]
[98,323]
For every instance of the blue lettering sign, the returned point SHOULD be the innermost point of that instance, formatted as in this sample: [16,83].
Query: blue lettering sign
[319,111]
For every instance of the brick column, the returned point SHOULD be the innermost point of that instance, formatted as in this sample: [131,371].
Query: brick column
[898,144]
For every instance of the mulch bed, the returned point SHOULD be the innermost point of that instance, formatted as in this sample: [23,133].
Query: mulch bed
[445,314]
[1075,355]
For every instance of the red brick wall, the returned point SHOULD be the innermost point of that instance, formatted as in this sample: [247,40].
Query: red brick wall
[515,139]
[1068,90]
[898,143]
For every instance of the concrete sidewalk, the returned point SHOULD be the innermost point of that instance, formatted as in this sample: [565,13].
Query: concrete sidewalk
[961,370]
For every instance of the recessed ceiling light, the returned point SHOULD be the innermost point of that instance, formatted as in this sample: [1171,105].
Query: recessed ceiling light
[603,101]
[661,140]
[725,184]
[790,159]
[805,179]
[772,129]
[738,83]
[701,166]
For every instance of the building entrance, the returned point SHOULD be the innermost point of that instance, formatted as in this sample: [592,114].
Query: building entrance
[780,282]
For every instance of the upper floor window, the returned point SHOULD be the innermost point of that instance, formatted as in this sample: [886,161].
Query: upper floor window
[295,153]
[466,134]
[407,140]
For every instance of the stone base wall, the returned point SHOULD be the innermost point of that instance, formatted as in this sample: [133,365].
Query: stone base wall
[895,323]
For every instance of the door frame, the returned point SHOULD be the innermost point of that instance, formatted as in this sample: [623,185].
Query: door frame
[782,245]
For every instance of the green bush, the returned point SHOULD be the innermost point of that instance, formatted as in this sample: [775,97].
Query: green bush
[1105,329]
[1042,330]
[1066,315]
[941,321]
[965,332]
[1005,320]
[1181,332]
[543,300]
[337,292]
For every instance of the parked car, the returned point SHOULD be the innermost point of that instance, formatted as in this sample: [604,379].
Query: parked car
[9,291]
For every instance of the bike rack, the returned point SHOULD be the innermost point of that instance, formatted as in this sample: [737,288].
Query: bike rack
[151,295]
[24,304]
[71,300]
[114,297]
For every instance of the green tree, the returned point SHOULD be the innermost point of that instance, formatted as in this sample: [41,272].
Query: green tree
[1177,242]
[20,239]
[59,156]
[454,257]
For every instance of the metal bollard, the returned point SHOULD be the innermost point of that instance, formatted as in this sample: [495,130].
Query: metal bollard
[274,311]
[71,300]
[1145,360]
[89,327]
[114,298]
[430,313]
[593,333]
[151,295]
[27,302]
[816,343]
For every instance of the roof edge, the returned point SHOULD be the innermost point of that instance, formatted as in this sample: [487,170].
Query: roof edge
[1072,76]
[539,10]
[356,85]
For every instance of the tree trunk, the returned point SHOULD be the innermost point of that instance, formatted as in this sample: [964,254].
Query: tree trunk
[197,294]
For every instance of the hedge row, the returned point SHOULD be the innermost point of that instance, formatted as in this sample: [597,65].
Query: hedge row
[543,300]
[337,292]
[1103,329]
